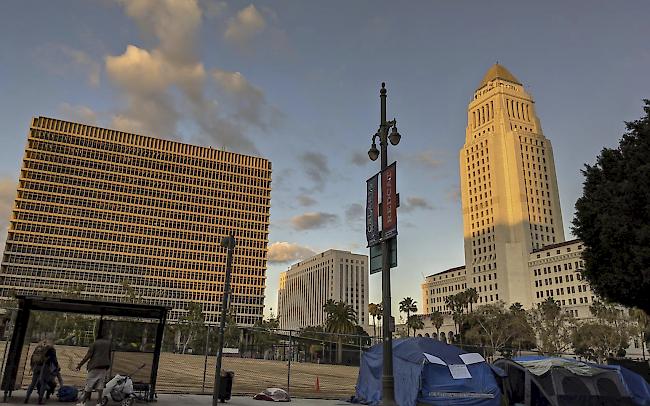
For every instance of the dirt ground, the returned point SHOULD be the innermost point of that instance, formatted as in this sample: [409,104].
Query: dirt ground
[183,373]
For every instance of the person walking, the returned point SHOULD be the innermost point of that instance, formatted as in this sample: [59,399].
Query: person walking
[45,369]
[99,362]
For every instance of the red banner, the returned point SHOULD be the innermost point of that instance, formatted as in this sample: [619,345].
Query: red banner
[389,201]
[372,211]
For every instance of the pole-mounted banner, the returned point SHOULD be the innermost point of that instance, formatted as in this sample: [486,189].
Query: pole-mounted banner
[389,201]
[372,211]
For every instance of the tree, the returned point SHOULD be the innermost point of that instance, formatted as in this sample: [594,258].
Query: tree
[191,324]
[264,336]
[456,303]
[130,292]
[472,297]
[641,322]
[408,306]
[415,322]
[613,218]
[374,311]
[606,335]
[523,334]
[341,319]
[496,328]
[553,326]
[437,319]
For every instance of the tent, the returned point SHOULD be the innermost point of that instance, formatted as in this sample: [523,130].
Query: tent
[428,372]
[539,380]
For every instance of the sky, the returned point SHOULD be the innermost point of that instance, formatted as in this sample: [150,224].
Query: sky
[298,83]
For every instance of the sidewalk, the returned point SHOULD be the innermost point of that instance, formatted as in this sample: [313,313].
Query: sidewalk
[189,400]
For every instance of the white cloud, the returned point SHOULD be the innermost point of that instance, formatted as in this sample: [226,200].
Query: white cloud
[313,220]
[166,85]
[245,25]
[78,113]
[284,252]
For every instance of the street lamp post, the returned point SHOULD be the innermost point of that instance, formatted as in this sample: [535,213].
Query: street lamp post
[388,382]
[228,243]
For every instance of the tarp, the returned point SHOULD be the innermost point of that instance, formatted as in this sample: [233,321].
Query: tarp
[429,372]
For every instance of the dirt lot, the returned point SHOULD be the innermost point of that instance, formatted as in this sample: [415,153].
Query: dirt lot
[180,373]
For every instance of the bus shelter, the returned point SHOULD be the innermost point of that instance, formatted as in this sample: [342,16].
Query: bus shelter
[17,354]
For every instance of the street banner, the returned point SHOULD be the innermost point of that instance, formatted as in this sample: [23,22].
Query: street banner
[372,211]
[389,201]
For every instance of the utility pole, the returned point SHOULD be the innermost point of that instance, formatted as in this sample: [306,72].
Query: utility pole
[228,243]
[388,381]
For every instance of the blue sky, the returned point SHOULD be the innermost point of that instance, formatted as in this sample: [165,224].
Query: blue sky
[298,82]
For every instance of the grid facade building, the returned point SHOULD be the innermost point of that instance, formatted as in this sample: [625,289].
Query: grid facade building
[106,213]
[308,285]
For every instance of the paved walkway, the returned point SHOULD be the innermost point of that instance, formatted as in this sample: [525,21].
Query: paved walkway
[189,400]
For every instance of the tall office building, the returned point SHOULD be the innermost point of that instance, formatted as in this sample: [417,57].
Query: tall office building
[509,192]
[309,284]
[106,212]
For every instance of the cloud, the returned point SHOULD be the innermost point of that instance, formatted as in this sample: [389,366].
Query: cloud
[359,159]
[427,159]
[415,203]
[250,103]
[305,200]
[174,23]
[82,59]
[78,113]
[315,167]
[354,212]
[245,26]
[313,220]
[165,86]
[7,198]
[284,252]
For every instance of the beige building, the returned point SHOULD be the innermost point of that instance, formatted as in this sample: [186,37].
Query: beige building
[514,236]
[100,210]
[309,284]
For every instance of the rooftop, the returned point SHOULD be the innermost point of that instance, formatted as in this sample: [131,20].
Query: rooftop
[498,72]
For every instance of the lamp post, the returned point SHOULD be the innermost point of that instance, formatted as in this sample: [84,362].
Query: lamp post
[228,243]
[388,382]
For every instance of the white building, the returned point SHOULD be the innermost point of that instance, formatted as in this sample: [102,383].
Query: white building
[307,285]
[513,233]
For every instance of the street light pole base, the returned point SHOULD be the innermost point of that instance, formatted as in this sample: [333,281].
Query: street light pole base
[388,393]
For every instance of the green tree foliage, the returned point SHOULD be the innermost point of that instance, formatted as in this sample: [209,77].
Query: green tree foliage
[437,320]
[375,312]
[471,295]
[498,329]
[341,319]
[457,304]
[606,335]
[641,327]
[415,322]
[553,326]
[408,306]
[613,218]
[264,335]
[191,325]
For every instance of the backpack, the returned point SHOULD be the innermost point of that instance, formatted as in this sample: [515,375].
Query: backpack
[39,357]
[67,394]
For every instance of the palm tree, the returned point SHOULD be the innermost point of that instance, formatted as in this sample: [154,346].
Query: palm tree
[415,322]
[341,319]
[437,319]
[472,297]
[373,310]
[408,306]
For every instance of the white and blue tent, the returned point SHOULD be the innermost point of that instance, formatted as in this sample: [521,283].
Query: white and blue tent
[428,371]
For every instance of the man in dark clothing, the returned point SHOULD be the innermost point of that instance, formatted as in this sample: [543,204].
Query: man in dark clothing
[45,369]
[99,362]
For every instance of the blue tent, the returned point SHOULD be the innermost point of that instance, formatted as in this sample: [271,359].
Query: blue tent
[428,371]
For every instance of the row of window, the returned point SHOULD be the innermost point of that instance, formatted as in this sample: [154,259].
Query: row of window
[156,158]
